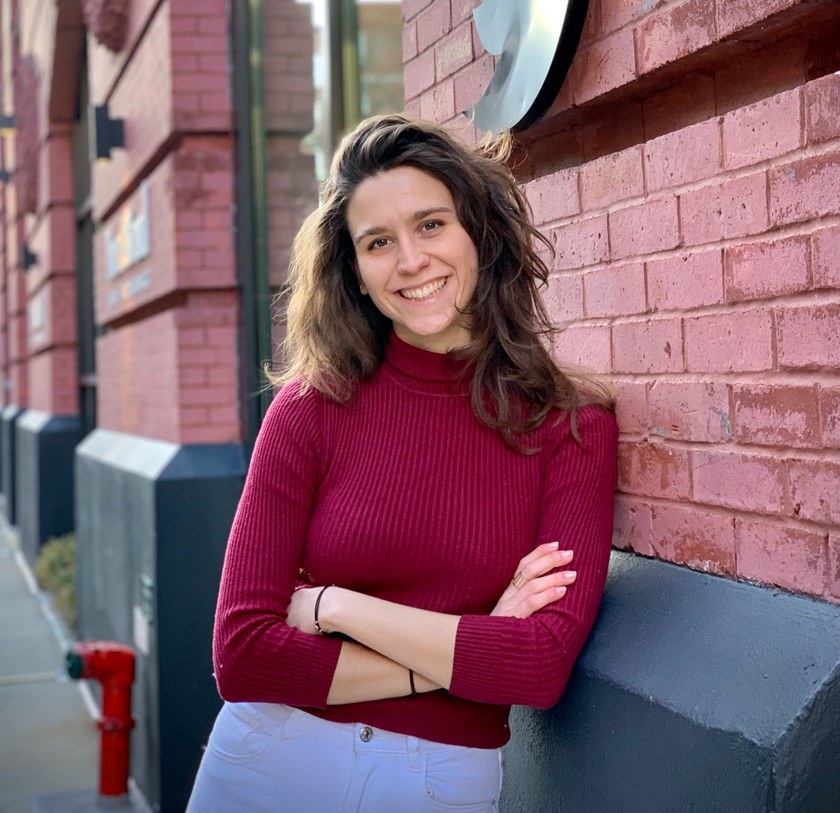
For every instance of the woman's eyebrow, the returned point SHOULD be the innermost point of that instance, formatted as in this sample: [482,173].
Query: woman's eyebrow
[432,211]
[418,215]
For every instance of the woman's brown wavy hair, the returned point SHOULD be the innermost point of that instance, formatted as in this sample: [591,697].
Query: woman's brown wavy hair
[336,336]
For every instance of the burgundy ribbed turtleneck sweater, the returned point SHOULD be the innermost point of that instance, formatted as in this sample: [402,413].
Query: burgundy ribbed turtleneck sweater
[402,494]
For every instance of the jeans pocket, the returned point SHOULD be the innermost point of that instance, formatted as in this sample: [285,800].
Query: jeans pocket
[239,734]
[464,779]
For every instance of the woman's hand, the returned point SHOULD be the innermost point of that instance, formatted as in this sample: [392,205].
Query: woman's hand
[534,585]
[301,611]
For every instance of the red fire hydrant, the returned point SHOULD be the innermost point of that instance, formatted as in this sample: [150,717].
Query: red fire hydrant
[112,665]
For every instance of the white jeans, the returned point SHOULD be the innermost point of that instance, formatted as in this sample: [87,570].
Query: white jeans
[267,758]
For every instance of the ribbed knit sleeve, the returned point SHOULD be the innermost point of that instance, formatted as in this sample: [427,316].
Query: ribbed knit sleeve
[528,661]
[257,656]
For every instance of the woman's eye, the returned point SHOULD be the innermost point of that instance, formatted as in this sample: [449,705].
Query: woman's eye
[431,225]
[379,242]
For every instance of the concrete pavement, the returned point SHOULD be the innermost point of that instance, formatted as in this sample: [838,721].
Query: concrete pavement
[48,738]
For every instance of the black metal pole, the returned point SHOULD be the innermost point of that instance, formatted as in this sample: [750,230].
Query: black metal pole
[251,223]
[343,66]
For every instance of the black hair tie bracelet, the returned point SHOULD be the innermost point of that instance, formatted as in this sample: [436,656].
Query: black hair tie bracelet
[318,626]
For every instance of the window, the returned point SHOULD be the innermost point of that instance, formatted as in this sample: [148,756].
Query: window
[357,68]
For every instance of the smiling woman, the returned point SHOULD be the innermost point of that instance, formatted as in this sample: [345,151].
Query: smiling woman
[417,264]
[398,573]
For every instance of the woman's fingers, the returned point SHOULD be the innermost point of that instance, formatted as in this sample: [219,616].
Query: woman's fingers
[540,592]
[540,561]
[534,595]
[529,581]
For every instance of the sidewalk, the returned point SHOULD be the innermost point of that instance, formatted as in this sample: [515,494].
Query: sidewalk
[48,739]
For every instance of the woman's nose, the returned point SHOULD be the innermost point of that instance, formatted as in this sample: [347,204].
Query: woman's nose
[412,257]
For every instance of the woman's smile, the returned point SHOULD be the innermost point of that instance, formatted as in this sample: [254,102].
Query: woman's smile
[424,292]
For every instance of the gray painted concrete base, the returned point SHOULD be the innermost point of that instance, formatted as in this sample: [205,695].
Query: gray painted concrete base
[8,447]
[152,522]
[693,693]
[84,801]
[44,477]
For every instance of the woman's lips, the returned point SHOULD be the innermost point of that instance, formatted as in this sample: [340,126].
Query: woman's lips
[424,291]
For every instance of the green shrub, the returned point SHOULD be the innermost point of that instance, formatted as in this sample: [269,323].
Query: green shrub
[55,571]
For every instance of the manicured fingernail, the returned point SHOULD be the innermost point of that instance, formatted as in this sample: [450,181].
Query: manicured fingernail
[565,553]
[554,545]
[561,591]
[570,574]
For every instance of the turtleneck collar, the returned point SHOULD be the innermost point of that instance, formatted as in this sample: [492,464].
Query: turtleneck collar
[440,371]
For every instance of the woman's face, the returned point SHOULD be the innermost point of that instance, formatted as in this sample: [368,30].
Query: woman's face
[414,258]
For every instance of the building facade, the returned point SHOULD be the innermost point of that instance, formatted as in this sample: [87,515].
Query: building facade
[136,282]
[157,159]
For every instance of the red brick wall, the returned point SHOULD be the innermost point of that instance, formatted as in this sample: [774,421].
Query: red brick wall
[167,364]
[688,177]
[167,359]
[13,313]
[181,143]
[40,302]
[170,375]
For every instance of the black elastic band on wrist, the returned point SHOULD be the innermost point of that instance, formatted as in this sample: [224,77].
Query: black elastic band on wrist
[411,681]
[317,605]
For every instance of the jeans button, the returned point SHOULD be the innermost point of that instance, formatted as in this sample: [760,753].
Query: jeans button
[366,734]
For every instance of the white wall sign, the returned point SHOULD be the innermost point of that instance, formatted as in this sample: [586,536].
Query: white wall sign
[37,317]
[128,240]
[535,41]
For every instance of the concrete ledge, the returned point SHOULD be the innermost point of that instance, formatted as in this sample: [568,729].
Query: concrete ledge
[693,693]
[8,447]
[44,472]
[152,523]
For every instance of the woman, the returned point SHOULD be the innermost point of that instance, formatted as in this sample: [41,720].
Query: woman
[397,571]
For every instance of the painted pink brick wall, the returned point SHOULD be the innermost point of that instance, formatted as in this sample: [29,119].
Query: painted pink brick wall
[674,32]
[702,539]
[696,262]
[738,14]
[790,557]
[735,207]
[830,416]
[623,41]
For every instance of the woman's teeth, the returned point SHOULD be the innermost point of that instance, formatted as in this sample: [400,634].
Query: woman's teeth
[425,291]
